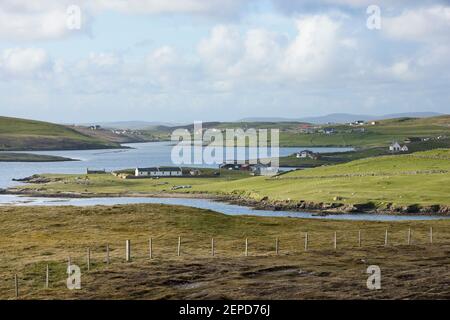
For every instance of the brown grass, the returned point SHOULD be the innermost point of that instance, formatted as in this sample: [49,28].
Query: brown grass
[31,237]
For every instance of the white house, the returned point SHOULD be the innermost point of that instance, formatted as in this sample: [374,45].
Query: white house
[396,147]
[159,172]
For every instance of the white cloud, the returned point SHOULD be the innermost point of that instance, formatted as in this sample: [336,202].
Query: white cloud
[209,7]
[313,49]
[47,19]
[222,49]
[23,61]
[267,56]
[426,24]
[38,19]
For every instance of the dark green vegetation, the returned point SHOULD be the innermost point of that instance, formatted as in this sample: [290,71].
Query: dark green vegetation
[19,134]
[32,237]
[29,157]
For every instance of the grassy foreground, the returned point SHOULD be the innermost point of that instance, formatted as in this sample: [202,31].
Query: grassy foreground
[32,237]
[403,183]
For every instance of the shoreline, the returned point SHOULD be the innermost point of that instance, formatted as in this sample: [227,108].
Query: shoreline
[6,156]
[318,209]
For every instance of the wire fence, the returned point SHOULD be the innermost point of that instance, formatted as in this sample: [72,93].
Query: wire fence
[49,274]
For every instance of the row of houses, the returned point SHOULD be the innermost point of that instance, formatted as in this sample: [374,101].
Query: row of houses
[396,147]
[257,169]
[159,172]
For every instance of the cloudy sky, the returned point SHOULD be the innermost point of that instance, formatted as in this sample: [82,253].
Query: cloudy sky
[184,60]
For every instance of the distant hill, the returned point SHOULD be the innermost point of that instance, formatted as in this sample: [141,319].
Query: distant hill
[21,134]
[343,117]
[132,125]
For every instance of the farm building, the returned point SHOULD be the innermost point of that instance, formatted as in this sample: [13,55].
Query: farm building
[263,170]
[159,172]
[396,147]
[304,154]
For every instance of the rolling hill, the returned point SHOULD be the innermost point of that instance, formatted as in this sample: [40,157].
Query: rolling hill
[21,134]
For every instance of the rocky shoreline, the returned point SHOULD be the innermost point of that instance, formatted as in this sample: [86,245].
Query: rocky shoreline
[319,209]
[338,208]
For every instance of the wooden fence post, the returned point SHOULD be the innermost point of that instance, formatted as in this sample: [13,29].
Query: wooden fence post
[212,247]
[179,247]
[386,238]
[150,248]
[359,238]
[127,250]
[431,235]
[246,247]
[88,259]
[335,240]
[47,276]
[16,286]
[276,246]
[306,241]
[107,253]
[409,236]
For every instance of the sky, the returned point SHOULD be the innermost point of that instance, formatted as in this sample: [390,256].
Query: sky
[80,61]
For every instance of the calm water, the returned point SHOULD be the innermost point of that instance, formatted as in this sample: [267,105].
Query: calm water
[142,155]
[221,207]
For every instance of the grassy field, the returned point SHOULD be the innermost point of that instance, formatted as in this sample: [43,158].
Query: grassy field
[421,179]
[415,180]
[29,157]
[331,158]
[20,134]
[379,135]
[32,237]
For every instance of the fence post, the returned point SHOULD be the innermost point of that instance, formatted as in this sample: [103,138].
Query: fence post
[179,247]
[386,238]
[335,240]
[246,247]
[431,235]
[150,248]
[127,250]
[409,236]
[359,238]
[88,259]
[306,241]
[212,247]
[276,246]
[16,286]
[107,253]
[47,276]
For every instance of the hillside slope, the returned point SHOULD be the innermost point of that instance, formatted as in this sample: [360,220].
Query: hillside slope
[366,136]
[404,183]
[21,134]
